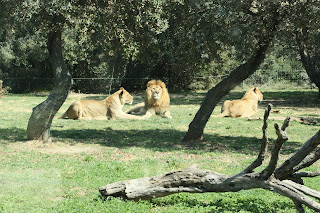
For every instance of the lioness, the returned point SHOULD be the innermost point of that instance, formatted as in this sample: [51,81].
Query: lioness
[245,107]
[109,108]
[156,101]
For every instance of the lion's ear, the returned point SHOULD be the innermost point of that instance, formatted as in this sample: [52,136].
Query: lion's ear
[255,90]
[162,84]
[121,88]
[121,93]
[150,83]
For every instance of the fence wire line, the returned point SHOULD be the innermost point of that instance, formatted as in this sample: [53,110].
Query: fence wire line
[36,78]
[274,74]
[262,78]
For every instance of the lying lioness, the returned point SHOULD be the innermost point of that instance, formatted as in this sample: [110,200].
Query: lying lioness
[245,107]
[109,108]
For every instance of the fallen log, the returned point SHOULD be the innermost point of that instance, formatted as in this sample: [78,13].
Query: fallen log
[285,179]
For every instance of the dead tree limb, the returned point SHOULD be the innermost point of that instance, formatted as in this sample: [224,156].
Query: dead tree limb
[284,179]
[282,137]
[287,168]
[264,143]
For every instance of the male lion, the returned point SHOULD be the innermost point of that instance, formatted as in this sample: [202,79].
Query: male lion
[245,107]
[156,101]
[109,108]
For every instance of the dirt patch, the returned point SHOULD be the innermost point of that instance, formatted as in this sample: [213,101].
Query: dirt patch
[79,191]
[76,149]
[55,148]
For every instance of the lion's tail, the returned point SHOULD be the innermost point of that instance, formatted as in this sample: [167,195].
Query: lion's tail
[223,114]
[224,111]
[136,109]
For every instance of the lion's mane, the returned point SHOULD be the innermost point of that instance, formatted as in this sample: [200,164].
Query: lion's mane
[156,101]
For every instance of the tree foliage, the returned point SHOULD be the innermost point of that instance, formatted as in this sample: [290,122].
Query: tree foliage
[177,41]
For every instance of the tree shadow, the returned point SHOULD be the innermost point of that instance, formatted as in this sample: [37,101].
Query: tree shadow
[227,202]
[301,99]
[277,98]
[11,135]
[166,140]
[157,140]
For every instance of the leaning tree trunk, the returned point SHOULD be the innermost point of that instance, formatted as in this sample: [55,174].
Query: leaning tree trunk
[285,179]
[42,115]
[310,57]
[215,94]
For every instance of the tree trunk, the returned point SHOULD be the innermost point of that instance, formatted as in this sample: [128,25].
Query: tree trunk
[215,94]
[42,115]
[196,180]
[310,57]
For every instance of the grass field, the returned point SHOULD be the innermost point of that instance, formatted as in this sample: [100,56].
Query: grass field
[64,176]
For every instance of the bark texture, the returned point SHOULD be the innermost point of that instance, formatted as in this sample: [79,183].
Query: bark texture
[215,94]
[41,118]
[310,56]
[284,179]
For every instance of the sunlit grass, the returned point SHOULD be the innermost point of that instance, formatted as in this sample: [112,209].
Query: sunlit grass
[64,176]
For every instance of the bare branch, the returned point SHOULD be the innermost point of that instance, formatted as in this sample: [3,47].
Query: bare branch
[299,206]
[282,137]
[264,143]
[286,168]
[283,128]
[303,189]
[309,160]
[307,174]
[295,193]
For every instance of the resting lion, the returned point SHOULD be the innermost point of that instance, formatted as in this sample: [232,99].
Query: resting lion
[245,107]
[109,108]
[156,101]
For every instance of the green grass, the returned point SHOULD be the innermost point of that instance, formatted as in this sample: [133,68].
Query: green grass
[65,176]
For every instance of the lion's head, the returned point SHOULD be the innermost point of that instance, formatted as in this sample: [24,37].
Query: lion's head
[253,93]
[156,94]
[156,101]
[155,89]
[125,97]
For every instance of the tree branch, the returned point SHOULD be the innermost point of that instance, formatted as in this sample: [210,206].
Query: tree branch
[294,193]
[303,189]
[307,174]
[309,160]
[299,206]
[286,168]
[264,143]
[282,137]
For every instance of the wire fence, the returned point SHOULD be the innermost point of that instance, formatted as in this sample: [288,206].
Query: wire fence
[265,79]
[281,79]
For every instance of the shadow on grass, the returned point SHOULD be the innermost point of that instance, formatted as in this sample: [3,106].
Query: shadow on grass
[230,202]
[278,98]
[165,140]
[301,99]
[158,140]
[12,135]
